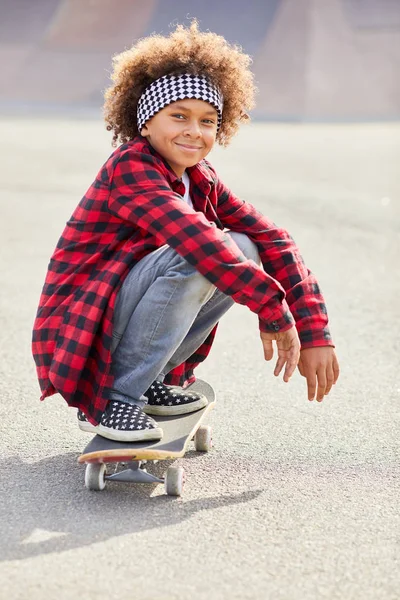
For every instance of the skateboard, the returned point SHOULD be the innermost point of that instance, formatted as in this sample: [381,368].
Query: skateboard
[179,431]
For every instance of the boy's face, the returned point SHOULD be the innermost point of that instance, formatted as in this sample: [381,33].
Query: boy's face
[183,133]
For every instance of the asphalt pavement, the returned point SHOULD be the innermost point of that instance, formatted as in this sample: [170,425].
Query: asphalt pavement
[297,500]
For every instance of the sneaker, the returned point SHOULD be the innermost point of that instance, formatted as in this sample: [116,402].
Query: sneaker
[164,400]
[123,422]
[84,424]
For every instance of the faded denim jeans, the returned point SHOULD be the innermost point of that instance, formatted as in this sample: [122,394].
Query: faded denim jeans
[164,311]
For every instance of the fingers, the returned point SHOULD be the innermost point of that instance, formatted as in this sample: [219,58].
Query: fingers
[329,380]
[280,363]
[322,380]
[332,374]
[317,385]
[290,361]
[301,368]
[336,369]
[311,385]
[291,364]
[288,346]
[268,349]
[320,367]
[325,380]
[288,354]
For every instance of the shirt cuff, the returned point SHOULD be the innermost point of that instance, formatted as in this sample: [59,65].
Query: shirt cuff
[280,319]
[313,338]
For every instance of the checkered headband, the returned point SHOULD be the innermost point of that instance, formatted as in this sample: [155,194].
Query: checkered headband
[170,88]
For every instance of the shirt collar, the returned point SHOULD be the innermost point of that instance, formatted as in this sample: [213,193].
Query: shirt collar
[199,173]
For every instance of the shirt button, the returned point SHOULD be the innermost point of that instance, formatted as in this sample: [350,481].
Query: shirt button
[276,328]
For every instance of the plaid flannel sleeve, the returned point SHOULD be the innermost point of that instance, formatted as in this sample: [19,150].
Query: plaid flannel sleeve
[281,259]
[141,195]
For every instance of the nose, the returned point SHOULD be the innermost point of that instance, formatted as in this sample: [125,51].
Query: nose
[193,129]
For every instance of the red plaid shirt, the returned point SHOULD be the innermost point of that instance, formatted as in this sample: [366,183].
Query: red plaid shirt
[134,206]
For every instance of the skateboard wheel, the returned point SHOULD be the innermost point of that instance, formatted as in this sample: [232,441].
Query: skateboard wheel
[174,480]
[203,439]
[95,477]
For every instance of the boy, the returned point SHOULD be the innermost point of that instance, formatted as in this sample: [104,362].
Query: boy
[159,249]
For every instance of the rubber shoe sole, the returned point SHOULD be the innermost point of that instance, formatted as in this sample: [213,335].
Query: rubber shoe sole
[87,427]
[141,435]
[167,411]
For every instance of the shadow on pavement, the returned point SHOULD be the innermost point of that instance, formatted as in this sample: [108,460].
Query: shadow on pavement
[45,508]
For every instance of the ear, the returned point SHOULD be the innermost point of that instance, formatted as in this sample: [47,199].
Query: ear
[144,132]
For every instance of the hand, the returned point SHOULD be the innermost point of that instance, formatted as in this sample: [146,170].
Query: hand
[319,364]
[288,345]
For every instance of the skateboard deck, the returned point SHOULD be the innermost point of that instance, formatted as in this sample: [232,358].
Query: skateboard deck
[178,431]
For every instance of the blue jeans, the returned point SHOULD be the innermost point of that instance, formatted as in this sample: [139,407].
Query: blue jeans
[164,311]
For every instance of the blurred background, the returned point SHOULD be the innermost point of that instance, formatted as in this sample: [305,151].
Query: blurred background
[297,500]
[313,59]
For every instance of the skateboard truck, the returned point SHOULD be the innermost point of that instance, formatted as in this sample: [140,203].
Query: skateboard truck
[96,476]
[134,473]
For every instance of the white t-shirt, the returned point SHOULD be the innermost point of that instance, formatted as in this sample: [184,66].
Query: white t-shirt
[186,183]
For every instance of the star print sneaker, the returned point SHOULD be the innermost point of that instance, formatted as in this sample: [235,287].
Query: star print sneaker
[84,424]
[164,400]
[123,422]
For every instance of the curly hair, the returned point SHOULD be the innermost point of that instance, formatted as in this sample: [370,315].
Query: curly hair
[185,50]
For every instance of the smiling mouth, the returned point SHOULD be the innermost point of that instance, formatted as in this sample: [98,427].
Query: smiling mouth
[188,147]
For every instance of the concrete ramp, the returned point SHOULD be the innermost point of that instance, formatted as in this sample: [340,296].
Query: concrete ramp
[313,60]
[334,59]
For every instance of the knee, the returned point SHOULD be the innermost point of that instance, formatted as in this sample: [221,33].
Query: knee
[246,245]
[180,269]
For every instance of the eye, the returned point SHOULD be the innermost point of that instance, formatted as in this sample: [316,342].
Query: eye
[209,121]
[178,115]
